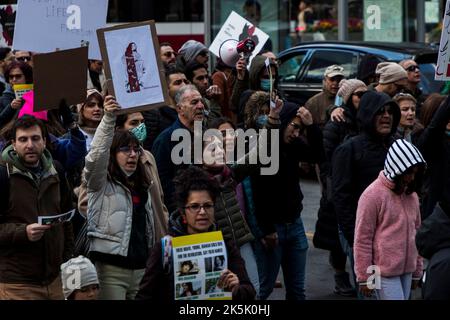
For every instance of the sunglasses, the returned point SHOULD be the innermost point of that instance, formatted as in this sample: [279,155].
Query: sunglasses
[383,109]
[23,59]
[359,94]
[412,68]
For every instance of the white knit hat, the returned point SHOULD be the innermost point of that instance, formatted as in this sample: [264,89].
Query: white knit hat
[77,273]
[390,72]
[401,156]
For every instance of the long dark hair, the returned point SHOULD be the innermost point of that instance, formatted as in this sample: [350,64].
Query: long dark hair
[415,185]
[137,181]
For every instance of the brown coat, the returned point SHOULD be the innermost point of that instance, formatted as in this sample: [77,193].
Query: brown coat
[23,261]
[319,106]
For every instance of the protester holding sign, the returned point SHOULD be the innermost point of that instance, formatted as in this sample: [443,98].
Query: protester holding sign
[195,197]
[32,253]
[16,73]
[126,213]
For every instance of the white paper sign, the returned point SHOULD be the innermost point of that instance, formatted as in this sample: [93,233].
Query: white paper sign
[443,63]
[48,220]
[238,28]
[44,26]
[131,55]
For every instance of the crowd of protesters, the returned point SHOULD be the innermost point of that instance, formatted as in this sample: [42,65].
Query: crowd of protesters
[381,151]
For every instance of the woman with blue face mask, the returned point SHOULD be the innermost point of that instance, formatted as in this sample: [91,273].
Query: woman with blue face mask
[133,122]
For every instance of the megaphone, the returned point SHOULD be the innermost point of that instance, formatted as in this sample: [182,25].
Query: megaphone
[232,50]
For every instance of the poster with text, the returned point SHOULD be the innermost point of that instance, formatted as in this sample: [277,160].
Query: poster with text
[44,26]
[133,65]
[238,28]
[198,262]
[443,63]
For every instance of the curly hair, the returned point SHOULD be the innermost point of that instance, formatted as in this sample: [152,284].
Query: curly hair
[193,179]
[255,107]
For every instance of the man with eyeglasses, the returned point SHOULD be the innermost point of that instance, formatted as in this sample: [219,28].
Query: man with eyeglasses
[157,120]
[414,75]
[167,54]
[393,78]
[357,162]
[320,104]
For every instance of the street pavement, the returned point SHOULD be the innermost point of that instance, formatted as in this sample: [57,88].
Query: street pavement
[319,274]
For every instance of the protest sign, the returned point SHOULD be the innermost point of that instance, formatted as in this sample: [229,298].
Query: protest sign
[60,76]
[198,261]
[49,220]
[44,26]
[28,107]
[238,28]
[7,17]
[21,89]
[133,66]
[443,63]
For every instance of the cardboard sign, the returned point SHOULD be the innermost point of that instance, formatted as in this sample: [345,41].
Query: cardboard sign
[44,26]
[443,63]
[21,89]
[130,53]
[238,28]
[60,76]
[198,261]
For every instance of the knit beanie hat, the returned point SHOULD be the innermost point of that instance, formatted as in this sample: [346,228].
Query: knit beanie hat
[77,273]
[401,156]
[347,87]
[390,72]
[191,49]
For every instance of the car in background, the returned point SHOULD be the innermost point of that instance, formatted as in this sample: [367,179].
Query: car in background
[301,68]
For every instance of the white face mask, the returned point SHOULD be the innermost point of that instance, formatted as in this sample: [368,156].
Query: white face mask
[126,173]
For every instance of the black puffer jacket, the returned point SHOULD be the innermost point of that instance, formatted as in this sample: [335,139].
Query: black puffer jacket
[359,160]
[435,147]
[433,243]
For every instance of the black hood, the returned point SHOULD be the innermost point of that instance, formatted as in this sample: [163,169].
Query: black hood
[371,103]
[256,67]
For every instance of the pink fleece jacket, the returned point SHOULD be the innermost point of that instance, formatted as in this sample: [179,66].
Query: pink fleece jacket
[386,225]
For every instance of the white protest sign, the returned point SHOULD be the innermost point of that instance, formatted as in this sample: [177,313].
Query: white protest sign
[198,262]
[44,26]
[443,63]
[238,28]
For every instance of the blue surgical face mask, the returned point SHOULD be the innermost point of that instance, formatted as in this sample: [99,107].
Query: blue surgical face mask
[140,132]
[261,121]
[265,85]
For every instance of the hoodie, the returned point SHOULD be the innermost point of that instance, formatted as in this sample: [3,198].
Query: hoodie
[360,159]
[386,222]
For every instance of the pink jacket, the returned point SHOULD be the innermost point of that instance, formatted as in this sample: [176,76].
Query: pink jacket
[386,225]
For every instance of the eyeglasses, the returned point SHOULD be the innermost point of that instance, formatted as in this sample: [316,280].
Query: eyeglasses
[168,54]
[23,59]
[385,108]
[412,68]
[128,149]
[359,94]
[196,207]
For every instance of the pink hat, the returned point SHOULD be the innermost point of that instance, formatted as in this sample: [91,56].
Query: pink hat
[28,106]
